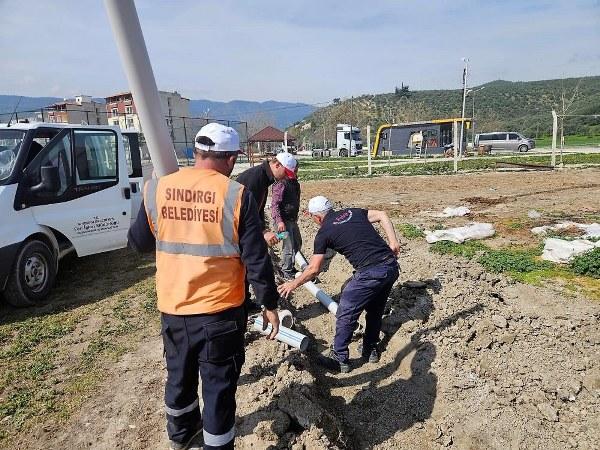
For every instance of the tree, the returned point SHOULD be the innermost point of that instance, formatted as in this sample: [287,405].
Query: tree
[563,106]
[403,91]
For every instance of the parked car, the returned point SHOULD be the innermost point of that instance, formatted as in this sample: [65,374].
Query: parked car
[504,141]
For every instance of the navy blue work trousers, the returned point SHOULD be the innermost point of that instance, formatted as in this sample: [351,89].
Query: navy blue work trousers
[368,290]
[209,346]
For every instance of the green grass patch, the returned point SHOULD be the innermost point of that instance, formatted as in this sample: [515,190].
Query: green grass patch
[571,140]
[587,264]
[513,261]
[437,166]
[525,265]
[52,359]
[410,231]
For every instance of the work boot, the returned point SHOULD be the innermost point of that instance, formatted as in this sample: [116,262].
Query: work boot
[332,362]
[372,356]
[194,443]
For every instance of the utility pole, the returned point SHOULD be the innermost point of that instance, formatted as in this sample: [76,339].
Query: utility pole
[462,123]
[554,132]
[369,147]
[351,113]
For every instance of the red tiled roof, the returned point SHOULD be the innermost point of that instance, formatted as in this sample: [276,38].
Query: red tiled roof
[270,134]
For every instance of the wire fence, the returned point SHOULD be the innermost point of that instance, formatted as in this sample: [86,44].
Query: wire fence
[181,129]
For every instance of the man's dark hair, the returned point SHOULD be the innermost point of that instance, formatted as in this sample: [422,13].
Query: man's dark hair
[204,154]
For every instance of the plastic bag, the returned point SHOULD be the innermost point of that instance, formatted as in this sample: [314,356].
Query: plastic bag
[459,235]
[562,251]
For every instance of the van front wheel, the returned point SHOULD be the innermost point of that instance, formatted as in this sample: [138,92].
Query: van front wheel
[32,276]
[523,148]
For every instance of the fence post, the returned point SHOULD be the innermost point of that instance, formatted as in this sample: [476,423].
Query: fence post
[554,132]
[454,135]
[186,141]
[369,147]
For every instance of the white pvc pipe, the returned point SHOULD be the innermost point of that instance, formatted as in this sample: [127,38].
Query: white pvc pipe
[300,260]
[285,335]
[285,318]
[128,35]
[318,293]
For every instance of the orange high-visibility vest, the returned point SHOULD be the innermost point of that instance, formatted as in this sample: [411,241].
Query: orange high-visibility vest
[194,215]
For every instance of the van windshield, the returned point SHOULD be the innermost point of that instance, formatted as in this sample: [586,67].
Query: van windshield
[10,142]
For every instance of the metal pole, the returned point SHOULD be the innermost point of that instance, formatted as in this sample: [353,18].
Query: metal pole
[186,141]
[462,124]
[248,147]
[369,147]
[454,133]
[285,147]
[127,31]
[473,122]
[351,113]
[554,131]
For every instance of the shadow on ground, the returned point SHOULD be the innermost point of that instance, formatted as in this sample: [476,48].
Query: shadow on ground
[392,406]
[86,280]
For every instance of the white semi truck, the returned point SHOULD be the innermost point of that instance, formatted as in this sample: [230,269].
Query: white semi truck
[347,141]
[63,188]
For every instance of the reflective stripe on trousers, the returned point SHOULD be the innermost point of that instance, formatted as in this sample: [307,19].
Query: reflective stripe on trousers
[217,440]
[180,412]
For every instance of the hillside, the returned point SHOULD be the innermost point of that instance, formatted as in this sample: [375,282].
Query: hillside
[499,105]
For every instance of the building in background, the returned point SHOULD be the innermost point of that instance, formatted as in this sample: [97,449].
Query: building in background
[121,111]
[80,110]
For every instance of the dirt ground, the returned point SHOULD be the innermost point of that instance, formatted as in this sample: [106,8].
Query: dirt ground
[471,360]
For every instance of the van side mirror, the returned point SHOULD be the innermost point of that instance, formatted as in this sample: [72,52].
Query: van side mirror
[50,180]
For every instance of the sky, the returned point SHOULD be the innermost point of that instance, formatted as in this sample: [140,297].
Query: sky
[306,51]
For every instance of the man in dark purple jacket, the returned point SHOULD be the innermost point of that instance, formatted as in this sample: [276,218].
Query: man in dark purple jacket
[285,205]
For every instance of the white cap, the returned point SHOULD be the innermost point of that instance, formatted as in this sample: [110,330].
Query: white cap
[215,137]
[288,162]
[319,204]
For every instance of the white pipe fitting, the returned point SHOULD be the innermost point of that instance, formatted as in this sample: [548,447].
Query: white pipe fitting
[285,335]
[318,293]
[285,318]
[300,260]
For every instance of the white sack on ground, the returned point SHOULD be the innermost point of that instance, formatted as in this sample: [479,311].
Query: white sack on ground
[461,234]
[562,251]
[455,212]
[591,230]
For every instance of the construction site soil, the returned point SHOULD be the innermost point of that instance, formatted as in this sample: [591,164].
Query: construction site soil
[471,359]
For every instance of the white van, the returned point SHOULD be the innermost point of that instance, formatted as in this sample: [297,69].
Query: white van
[63,188]
[503,141]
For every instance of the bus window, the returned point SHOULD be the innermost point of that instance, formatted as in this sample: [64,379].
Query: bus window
[431,138]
